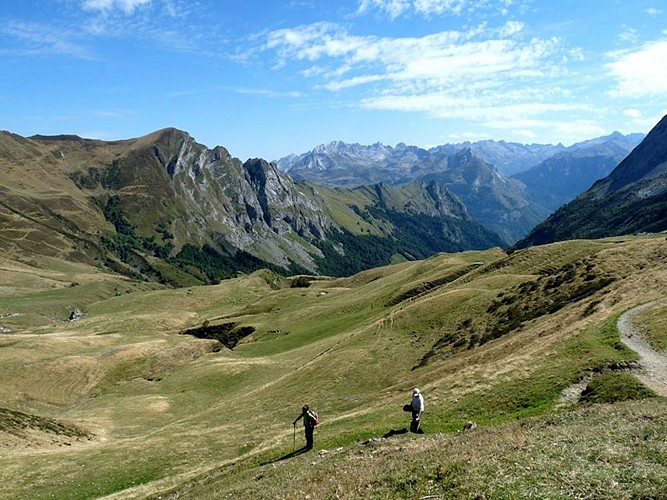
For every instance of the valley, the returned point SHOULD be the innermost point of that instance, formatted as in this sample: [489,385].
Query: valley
[120,402]
[224,222]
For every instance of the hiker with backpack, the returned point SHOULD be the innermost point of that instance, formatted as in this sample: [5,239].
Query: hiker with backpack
[310,421]
[417,408]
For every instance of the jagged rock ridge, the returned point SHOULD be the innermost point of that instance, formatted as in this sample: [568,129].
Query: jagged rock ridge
[165,207]
[476,172]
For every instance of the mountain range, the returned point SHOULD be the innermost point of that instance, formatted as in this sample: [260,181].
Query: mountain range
[166,208]
[560,178]
[404,162]
[631,199]
[544,176]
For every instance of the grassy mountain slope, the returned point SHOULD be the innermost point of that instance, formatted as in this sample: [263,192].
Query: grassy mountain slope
[157,411]
[500,204]
[165,208]
[631,199]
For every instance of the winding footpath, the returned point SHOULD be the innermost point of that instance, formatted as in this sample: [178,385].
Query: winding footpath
[653,362]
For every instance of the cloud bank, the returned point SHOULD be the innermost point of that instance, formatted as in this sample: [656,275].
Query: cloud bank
[127,6]
[496,76]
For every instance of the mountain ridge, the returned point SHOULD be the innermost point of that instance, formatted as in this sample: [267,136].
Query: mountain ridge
[140,203]
[509,158]
[509,206]
[629,200]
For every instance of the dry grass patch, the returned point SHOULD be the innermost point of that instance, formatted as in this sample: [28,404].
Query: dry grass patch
[652,323]
[22,430]
[601,452]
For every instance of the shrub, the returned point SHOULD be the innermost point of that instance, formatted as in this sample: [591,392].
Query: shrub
[300,282]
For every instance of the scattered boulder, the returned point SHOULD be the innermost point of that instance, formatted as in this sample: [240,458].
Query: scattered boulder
[75,314]
[470,426]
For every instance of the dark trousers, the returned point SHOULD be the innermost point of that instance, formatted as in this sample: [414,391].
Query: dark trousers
[415,425]
[309,436]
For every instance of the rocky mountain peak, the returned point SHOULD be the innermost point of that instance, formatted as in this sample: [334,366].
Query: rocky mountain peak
[466,159]
[332,147]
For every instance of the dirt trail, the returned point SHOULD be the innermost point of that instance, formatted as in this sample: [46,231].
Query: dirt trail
[653,362]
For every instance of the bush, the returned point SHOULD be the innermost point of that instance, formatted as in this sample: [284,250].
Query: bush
[300,282]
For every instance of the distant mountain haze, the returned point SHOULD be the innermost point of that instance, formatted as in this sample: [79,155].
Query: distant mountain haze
[559,179]
[631,199]
[545,176]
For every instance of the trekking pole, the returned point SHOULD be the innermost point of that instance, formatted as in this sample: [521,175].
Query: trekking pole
[294,447]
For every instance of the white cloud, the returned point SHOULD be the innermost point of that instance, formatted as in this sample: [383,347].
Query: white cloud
[491,77]
[127,6]
[481,74]
[438,59]
[439,6]
[35,39]
[640,73]
[393,8]
[511,28]
[528,134]
[576,54]
[638,120]
[469,136]
[630,35]
[576,129]
[653,12]
[492,110]
[268,92]
[429,8]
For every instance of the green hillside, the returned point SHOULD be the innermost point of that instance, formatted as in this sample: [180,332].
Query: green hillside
[122,401]
[163,208]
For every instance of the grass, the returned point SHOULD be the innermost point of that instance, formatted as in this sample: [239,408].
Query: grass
[605,451]
[614,387]
[653,325]
[169,414]
[15,422]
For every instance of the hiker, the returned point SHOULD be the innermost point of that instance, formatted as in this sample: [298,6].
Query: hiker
[417,410]
[310,420]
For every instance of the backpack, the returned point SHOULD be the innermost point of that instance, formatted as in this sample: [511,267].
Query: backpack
[313,417]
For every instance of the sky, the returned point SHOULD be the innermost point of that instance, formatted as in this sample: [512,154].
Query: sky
[267,78]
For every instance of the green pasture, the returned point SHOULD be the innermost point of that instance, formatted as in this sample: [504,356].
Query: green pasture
[165,411]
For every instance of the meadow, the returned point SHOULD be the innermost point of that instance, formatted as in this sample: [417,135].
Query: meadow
[121,403]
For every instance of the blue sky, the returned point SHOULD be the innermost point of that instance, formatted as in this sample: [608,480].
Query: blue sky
[265,79]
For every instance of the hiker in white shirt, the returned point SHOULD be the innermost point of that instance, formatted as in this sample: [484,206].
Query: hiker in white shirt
[417,410]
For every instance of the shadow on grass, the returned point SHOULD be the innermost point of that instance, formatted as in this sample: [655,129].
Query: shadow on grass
[300,451]
[288,456]
[395,432]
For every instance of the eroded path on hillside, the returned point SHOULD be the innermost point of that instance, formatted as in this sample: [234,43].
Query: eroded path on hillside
[653,362]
